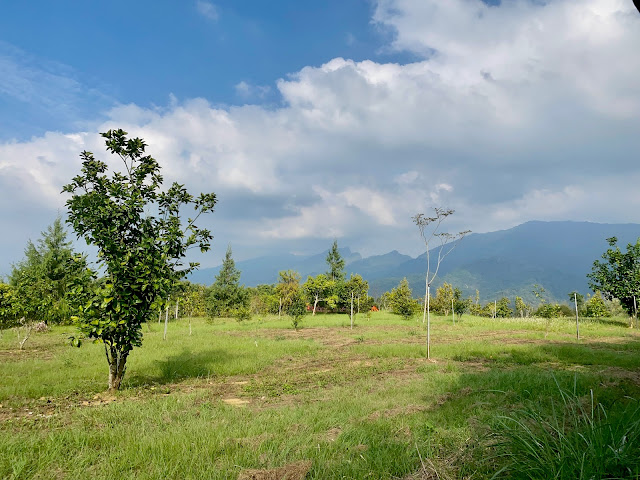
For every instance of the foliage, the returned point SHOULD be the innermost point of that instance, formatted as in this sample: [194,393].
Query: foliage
[226,294]
[443,300]
[336,264]
[522,309]
[578,440]
[287,288]
[9,306]
[596,307]
[193,299]
[141,253]
[46,279]
[316,289]
[549,310]
[618,276]
[297,308]
[263,299]
[401,300]
[503,308]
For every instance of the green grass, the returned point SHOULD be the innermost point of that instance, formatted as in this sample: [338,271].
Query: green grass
[361,403]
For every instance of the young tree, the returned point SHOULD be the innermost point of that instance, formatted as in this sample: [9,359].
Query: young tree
[596,307]
[316,289]
[618,276]
[141,254]
[401,300]
[45,278]
[503,308]
[287,288]
[521,307]
[354,288]
[430,232]
[336,264]
[226,295]
[297,308]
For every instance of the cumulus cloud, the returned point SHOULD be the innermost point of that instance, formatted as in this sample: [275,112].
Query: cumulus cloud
[514,112]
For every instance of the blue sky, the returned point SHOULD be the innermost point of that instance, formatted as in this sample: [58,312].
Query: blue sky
[142,52]
[320,120]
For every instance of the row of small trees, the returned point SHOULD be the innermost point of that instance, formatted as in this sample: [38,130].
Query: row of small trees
[329,291]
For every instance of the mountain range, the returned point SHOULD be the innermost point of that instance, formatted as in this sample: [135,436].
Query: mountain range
[505,263]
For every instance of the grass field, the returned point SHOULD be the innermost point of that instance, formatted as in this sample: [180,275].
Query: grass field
[240,400]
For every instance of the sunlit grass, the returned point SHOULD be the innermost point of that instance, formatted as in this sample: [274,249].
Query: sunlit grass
[358,403]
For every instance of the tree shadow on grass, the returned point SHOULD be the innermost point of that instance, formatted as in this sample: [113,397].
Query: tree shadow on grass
[186,364]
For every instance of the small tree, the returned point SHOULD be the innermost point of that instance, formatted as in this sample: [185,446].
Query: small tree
[287,288]
[316,289]
[430,231]
[401,300]
[297,308]
[141,254]
[226,295]
[355,288]
[336,264]
[521,307]
[46,278]
[596,307]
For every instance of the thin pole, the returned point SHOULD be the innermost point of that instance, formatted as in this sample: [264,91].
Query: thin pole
[575,300]
[428,322]
[166,320]
[351,310]
[453,313]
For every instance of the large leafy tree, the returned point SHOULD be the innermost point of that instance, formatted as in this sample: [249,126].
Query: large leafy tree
[226,294]
[45,277]
[141,239]
[618,275]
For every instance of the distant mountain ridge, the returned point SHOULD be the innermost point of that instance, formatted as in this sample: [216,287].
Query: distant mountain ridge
[556,255]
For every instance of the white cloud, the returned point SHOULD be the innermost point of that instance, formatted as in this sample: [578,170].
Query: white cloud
[248,91]
[208,10]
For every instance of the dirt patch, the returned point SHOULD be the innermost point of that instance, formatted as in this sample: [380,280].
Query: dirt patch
[332,434]
[292,471]
[394,412]
[236,402]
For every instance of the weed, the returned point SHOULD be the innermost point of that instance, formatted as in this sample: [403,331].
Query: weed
[578,439]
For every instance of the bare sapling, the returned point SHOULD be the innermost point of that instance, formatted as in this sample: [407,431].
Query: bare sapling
[430,232]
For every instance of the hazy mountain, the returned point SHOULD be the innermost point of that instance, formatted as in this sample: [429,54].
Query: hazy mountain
[556,255]
[262,270]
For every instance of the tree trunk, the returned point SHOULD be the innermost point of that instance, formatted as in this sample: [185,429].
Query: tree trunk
[177,302]
[428,323]
[117,367]
[315,303]
[166,321]
[351,310]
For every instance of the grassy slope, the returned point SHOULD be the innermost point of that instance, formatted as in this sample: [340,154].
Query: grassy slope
[359,403]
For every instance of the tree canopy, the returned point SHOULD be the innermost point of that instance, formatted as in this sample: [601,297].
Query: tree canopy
[618,275]
[138,230]
[336,264]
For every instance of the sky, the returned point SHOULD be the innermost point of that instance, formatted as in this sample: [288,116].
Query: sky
[315,121]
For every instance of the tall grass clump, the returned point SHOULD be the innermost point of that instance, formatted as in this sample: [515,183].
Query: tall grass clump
[576,438]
